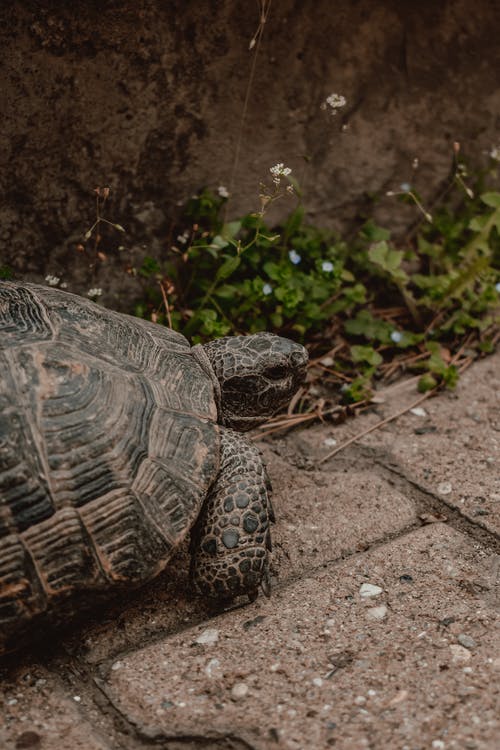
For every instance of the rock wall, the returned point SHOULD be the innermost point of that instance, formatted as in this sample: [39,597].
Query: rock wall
[146,96]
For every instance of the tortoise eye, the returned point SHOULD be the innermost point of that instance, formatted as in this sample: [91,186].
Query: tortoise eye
[276,373]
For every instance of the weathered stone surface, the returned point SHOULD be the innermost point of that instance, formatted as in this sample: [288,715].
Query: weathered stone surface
[341,511]
[317,668]
[321,516]
[458,458]
[147,98]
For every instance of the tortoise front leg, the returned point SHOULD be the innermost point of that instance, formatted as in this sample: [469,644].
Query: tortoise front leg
[231,540]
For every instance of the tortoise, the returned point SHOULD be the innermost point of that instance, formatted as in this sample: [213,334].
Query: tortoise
[117,438]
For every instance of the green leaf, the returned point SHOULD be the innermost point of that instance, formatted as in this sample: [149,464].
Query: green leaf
[347,275]
[491,199]
[435,363]
[231,229]
[409,339]
[355,294]
[149,267]
[228,267]
[478,223]
[219,242]
[487,346]
[389,259]
[289,296]
[358,390]
[373,233]
[206,315]
[276,319]
[364,324]
[426,383]
[227,291]
[366,354]
[273,270]
[450,377]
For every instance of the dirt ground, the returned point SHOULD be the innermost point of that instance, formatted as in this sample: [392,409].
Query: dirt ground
[382,630]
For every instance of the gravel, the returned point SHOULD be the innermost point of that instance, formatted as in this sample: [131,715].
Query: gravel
[369,589]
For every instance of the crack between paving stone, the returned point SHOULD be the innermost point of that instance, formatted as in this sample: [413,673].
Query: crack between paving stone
[75,676]
[430,501]
[155,735]
[104,665]
[425,499]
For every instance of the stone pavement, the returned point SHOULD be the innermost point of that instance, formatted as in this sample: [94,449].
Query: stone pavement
[380,633]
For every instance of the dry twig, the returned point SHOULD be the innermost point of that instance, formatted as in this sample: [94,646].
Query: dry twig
[376,426]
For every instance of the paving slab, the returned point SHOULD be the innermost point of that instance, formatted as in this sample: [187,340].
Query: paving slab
[38,713]
[449,445]
[322,516]
[454,450]
[394,648]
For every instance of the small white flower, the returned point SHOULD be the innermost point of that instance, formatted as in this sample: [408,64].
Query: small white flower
[405,187]
[279,170]
[223,191]
[94,292]
[52,280]
[327,266]
[497,286]
[294,257]
[64,285]
[183,238]
[335,102]
[396,336]
[495,153]
[290,189]
[267,289]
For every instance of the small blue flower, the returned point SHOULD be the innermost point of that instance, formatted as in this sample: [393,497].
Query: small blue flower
[396,336]
[327,266]
[497,286]
[267,289]
[405,187]
[294,257]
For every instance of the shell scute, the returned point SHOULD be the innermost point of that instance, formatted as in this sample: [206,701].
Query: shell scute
[61,554]
[24,494]
[23,319]
[128,545]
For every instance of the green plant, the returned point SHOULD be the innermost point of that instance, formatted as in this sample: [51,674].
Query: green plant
[6,273]
[388,301]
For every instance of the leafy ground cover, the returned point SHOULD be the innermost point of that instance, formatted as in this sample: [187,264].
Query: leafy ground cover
[369,308]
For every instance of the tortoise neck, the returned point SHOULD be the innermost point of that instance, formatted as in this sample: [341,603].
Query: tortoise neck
[203,360]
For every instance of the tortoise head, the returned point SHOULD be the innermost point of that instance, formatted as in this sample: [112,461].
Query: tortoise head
[258,375]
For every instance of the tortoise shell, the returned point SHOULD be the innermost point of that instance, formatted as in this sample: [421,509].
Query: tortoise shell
[108,446]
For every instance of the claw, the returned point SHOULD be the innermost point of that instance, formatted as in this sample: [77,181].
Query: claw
[252,595]
[265,584]
[270,510]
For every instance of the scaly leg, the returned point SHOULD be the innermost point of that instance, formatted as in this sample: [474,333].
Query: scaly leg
[231,540]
